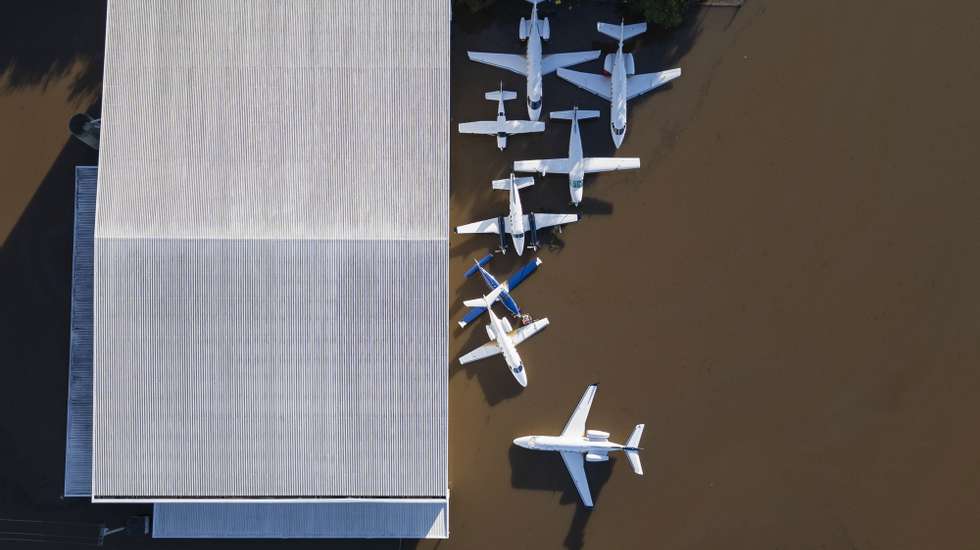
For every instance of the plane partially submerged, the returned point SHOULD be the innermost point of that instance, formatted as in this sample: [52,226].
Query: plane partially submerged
[505,298]
[533,64]
[501,127]
[622,84]
[516,223]
[504,339]
[578,445]
[576,165]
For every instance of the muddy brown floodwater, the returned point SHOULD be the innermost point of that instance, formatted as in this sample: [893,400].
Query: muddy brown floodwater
[785,293]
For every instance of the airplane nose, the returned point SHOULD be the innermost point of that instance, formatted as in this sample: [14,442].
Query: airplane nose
[618,139]
[522,441]
[535,114]
[576,196]
[522,378]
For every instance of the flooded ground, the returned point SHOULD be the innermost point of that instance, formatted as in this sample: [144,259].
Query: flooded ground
[785,293]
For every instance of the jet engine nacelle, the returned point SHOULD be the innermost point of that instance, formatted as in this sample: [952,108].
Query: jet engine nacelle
[597,435]
[490,333]
[628,64]
[522,29]
[544,29]
[595,457]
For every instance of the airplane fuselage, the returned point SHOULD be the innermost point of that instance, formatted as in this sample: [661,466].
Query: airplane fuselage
[507,348]
[501,117]
[515,219]
[576,176]
[617,105]
[505,297]
[534,86]
[568,444]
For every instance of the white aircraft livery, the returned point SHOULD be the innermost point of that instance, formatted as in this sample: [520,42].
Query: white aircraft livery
[533,65]
[623,83]
[517,224]
[501,127]
[504,339]
[578,445]
[576,166]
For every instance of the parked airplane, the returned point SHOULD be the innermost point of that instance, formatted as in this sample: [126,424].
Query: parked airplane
[576,166]
[505,298]
[501,127]
[578,445]
[533,65]
[517,224]
[623,83]
[504,339]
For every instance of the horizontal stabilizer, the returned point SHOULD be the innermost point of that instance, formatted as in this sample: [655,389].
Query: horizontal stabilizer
[632,449]
[575,113]
[481,262]
[621,32]
[497,94]
[520,183]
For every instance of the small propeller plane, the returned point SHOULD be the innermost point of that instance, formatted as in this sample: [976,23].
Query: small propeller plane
[501,127]
[578,445]
[504,339]
[576,166]
[623,84]
[516,223]
[505,298]
[533,65]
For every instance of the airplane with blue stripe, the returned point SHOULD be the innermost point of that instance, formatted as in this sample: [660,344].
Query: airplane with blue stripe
[504,298]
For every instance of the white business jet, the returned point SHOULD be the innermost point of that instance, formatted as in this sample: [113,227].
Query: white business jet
[576,166]
[623,83]
[501,127]
[517,224]
[578,445]
[503,338]
[533,65]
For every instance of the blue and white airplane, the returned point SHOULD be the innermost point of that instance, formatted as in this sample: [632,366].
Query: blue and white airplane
[533,65]
[504,298]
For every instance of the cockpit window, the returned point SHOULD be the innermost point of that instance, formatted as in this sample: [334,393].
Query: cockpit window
[501,134]
[518,368]
[534,104]
[617,131]
[577,184]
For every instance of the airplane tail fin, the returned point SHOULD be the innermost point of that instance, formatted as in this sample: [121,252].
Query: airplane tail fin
[621,32]
[488,300]
[504,184]
[497,94]
[633,449]
[573,114]
[478,264]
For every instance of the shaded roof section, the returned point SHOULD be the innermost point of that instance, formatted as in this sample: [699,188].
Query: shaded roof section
[271,251]
[302,119]
[345,519]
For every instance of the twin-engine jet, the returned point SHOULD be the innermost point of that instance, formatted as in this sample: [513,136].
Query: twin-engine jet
[501,127]
[578,445]
[533,65]
[504,339]
[516,223]
[623,83]
[576,166]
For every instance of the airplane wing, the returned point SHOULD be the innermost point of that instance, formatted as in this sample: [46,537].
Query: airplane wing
[523,126]
[508,61]
[485,127]
[486,350]
[598,84]
[527,331]
[575,463]
[608,164]
[548,220]
[544,166]
[485,226]
[551,62]
[576,423]
[643,83]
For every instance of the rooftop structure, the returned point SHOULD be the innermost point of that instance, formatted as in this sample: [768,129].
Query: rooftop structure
[270,257]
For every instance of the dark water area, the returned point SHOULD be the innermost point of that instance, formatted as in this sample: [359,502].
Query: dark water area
[785,292]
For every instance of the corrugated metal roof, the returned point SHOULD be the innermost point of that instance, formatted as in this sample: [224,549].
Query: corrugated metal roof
[340,519]
[78,444]
[271,250]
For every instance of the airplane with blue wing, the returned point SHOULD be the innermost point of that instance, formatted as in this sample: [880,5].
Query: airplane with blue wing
[505,298]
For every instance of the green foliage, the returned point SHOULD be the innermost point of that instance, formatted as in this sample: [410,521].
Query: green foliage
[666,13]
